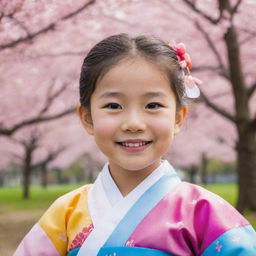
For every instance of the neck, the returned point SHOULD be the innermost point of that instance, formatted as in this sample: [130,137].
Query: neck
[127,180]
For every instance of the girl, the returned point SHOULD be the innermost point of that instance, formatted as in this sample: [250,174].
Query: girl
[133,94]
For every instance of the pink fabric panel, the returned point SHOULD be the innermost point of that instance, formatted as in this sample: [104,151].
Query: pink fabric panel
[36,243]
[186,222]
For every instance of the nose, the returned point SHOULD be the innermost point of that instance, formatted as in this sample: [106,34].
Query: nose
[133,122]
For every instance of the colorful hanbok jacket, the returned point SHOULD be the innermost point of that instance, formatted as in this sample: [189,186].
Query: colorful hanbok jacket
[161,216]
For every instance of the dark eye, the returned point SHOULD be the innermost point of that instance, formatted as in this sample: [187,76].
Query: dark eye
[113,106]
[154,105]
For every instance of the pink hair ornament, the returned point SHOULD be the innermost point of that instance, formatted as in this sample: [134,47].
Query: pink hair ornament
[191,83]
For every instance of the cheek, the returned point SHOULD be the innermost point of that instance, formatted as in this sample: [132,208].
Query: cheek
[163,127]
[104,127]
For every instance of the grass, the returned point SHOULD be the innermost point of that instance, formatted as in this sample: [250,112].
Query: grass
[40,198]
[226,191]
[11,200]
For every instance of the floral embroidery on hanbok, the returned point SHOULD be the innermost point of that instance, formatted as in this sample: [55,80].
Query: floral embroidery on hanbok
[130,243]
[218,246]
[80,237]
[114,254]
[236,239]
[63,237]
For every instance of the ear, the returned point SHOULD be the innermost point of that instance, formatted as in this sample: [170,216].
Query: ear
[180,118]
[86,118]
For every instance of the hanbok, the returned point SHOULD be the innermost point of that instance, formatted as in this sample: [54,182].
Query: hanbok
[161,216]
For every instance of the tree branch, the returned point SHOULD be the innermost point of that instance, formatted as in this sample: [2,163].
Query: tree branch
[35,120]
[32,142]
[235,8]
[17,156]
[192,5]
[251,35]
[28,37]
[8,10]
[248,38]
[213,49]
[251,90]
[253,123]
[72,14]
[218,109]
[50,157]
[54,55]
[20,24]
[174,9]
[204,68]
[50,98]
[51,26]
[216,69]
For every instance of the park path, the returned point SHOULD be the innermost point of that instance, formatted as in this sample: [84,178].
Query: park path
[13,226]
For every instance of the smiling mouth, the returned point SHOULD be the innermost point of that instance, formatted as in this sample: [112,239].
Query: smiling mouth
[134,145]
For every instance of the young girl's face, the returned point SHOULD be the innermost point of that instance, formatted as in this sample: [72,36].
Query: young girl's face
[133,116]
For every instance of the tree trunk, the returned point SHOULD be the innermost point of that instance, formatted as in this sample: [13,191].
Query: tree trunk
[90,175]
[246,144]
[59,176]
[246,169]
[44,177]
[204,163]
[26,177]
[27,170]
[192,174]
[242,117]
[1,178]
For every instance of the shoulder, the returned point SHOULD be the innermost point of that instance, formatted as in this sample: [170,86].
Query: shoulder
[55,221]
[209,214]
[193,190]
[196,194]
[203,202]
[73,196]
[65,204]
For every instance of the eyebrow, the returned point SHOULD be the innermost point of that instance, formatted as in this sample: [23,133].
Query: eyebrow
[154,94]
[111,95]
[119,95]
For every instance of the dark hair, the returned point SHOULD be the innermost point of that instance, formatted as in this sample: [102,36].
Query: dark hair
[108,52]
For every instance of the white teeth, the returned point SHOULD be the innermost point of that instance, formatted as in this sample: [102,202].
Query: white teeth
[140,144]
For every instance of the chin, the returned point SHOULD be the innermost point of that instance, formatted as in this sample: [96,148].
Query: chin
[136,167]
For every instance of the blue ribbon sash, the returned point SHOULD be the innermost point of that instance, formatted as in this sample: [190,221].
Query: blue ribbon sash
[130,251]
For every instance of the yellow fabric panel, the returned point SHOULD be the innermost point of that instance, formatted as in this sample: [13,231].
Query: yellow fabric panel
[66,217]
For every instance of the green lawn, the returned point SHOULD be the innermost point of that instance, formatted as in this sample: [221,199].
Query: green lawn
[229,193]
[10,198]
[226,191]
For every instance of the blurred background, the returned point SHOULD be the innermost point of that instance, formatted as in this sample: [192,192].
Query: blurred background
[44,150]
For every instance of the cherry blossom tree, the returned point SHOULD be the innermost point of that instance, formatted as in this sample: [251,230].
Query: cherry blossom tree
[36,93]
[30,143]
[48,43]
[15,17]
[230,67]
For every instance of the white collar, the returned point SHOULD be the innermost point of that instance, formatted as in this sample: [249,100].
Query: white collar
[112,191]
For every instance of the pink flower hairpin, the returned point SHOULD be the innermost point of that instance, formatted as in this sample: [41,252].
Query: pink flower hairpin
[183,57]
[191,89]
